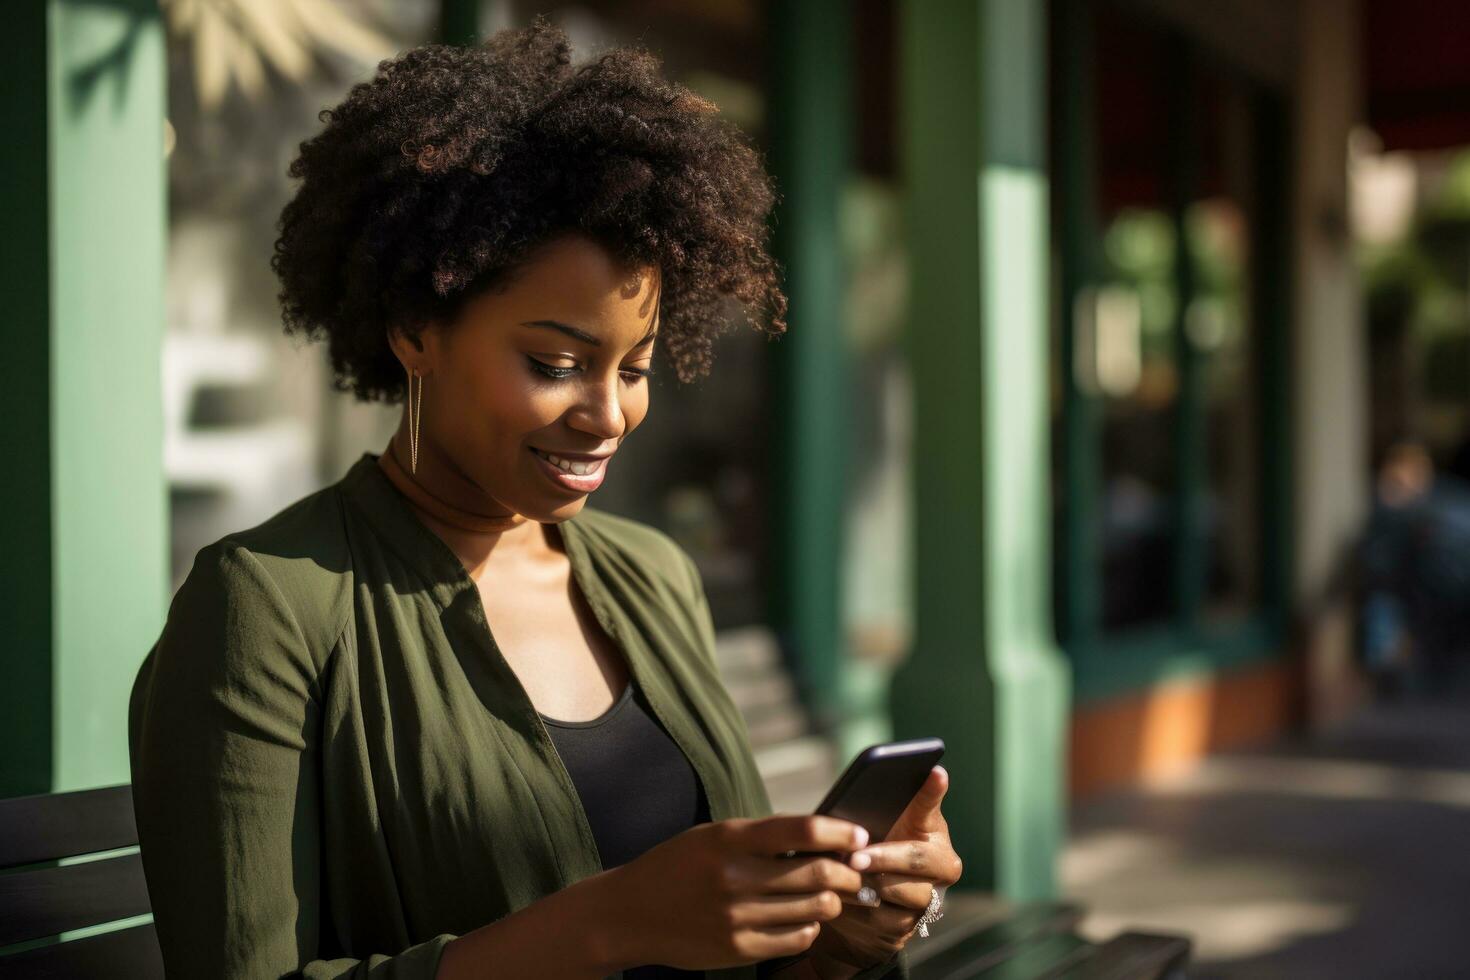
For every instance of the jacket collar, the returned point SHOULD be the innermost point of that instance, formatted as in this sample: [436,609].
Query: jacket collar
[393,517]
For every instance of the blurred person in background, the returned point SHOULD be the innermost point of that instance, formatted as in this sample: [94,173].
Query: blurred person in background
[1415,557]
[440,718]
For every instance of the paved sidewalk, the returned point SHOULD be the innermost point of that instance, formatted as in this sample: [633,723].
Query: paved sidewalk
[1343,857]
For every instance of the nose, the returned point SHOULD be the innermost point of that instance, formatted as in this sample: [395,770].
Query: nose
[599,410]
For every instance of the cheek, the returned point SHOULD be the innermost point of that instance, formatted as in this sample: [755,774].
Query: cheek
[515,406]
[636,405]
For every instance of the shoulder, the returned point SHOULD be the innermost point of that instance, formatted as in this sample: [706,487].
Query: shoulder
[645,547]
[295,563]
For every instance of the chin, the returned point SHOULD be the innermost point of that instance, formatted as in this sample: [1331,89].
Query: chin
[557,514]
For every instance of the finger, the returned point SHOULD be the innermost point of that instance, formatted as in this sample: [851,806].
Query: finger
[923,810]
[940,864]
[910,891]
[778,910]
[888,921]
[769,942]
[798,832]
[763,875]
[921,858]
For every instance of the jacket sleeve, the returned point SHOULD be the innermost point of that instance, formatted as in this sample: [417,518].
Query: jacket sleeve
[224,740]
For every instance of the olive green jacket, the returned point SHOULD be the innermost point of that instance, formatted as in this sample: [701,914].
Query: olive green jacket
[335,772]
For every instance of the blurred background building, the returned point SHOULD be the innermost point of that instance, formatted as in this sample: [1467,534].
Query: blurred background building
[1104,315]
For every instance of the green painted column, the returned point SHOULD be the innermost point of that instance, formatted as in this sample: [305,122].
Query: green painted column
[810,155]
[1079,276]
[459,22]
[985,674]
[85,505]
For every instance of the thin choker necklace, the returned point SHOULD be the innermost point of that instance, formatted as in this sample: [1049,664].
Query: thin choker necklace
[441,509]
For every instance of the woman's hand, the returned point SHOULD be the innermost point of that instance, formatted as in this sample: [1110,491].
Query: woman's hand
[915,858]
[720,894]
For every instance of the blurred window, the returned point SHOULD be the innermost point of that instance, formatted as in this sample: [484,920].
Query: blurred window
[1125,356]
[1158,412]
[1220,332]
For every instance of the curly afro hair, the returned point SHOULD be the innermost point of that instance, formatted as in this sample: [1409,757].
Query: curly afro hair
[436,179]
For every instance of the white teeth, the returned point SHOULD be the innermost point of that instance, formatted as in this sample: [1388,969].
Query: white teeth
[578,468]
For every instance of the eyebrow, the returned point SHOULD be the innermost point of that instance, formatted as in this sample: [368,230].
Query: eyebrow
[576,333]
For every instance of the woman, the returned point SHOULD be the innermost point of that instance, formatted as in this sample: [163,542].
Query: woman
[440,719]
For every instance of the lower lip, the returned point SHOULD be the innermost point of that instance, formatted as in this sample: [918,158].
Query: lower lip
[571,481]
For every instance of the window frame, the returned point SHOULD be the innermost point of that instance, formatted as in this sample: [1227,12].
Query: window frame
[1107,664]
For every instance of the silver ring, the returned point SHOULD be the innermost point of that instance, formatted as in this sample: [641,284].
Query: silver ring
[933,913]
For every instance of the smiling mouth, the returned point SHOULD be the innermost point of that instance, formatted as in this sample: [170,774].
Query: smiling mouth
[572,466]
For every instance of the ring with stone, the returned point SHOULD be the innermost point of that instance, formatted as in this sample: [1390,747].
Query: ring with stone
[932,913]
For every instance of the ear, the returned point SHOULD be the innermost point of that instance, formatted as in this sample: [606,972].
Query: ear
[414,349]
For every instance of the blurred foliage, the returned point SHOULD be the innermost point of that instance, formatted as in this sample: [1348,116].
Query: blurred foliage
[1453,200]
[1420,285]
[1138,251]
[233,41]
[1217,243]
[1422,279]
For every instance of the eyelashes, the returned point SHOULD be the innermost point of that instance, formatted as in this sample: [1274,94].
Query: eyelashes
[558,373]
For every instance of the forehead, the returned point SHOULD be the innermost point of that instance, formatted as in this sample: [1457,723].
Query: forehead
[574,278]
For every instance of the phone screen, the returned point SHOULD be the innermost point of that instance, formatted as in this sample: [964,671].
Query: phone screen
[877,786]
[880,782]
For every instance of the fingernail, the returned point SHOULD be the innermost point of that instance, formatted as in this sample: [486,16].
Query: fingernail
[867,896]
[860,837]
[861,860]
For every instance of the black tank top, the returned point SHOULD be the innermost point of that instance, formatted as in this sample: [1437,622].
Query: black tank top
[636,786]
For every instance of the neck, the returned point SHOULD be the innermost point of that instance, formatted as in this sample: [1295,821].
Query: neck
[436,506]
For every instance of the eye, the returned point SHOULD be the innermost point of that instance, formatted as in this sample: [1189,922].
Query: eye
[551,371]
[630,375]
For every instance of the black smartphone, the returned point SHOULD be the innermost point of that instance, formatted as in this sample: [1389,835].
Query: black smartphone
[878,785]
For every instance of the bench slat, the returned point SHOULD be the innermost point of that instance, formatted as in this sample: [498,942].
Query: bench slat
[1041,958]
[49,901]
[995,944]
[48,826]
[123,954]
[1133,956]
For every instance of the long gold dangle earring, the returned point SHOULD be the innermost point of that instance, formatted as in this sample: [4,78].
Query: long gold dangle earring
[415,412]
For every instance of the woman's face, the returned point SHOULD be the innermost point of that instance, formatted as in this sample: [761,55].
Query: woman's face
[553,364]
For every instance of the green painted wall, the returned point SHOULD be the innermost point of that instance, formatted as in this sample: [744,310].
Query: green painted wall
[985,673]
[86,508]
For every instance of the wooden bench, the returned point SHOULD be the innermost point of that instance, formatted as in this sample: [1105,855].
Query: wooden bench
[41,898]
[796,764]
[986,938]
[979,937]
